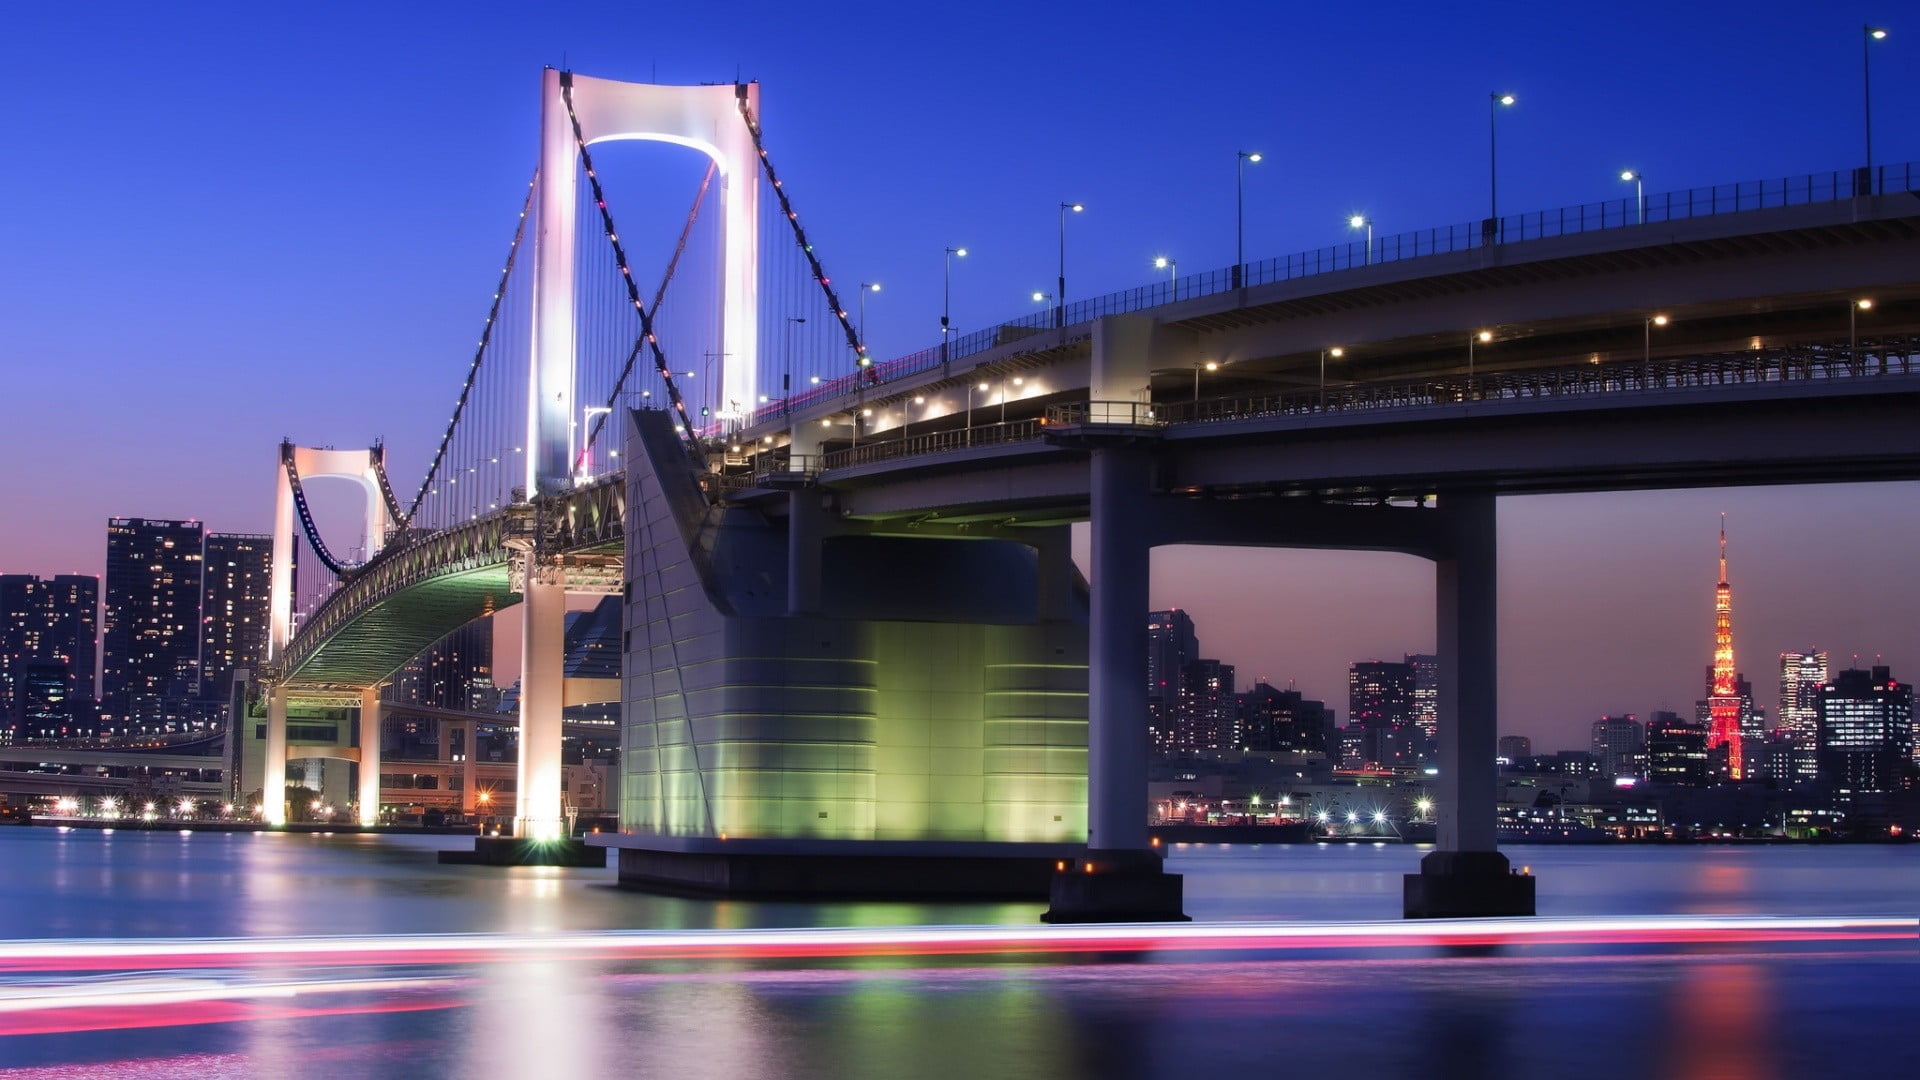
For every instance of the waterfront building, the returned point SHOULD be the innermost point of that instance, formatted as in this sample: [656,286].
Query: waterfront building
[48,620]
[1620,746]
[152,613]
[1171,645]
[1676,751]
[1802,674]
[1208,713]
[1283,720]
[236,575]
[1866,732]
[1426,696]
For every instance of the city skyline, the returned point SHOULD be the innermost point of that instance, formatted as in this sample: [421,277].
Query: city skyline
[275,283]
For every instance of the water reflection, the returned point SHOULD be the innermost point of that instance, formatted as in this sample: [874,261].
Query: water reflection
[1722,1026]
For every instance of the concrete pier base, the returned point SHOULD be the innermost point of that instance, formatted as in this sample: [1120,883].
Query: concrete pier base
[1115,886]
[520,851]
[1466,884]
[863,870]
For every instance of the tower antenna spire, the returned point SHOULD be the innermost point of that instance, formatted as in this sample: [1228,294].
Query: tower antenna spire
[1723,547]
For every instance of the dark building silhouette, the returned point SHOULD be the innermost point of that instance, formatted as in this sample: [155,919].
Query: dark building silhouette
[1515,747]
[50,620]
[1171,646]
[1283,720]
[1676,751]
[152,614]
[1866,732]
[1208,714]
[455,673]
[1620,746]
[236,578]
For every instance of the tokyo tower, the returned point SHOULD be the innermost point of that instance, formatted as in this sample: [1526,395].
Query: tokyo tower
[1723,699]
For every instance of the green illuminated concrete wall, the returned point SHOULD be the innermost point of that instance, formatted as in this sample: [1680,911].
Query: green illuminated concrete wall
[746,722]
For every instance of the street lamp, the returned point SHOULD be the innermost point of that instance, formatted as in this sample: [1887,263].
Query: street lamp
[1646,348]
[865,288]
[1240,212]
[982,387]
[1162,262]
[786,380]
[1060,289]
[1361,221]
[1870,35]
[1482,338]
[1639,180]
[946,298]
[1211,365]
[1853,317]
[1336,352]
[1494,101]
[1017,381]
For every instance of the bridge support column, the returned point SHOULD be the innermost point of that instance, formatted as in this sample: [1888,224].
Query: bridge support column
[804,532]
[542,694]
[1054,556]
[1466,875]
[1120,878]
[469,768]
[273,767]
[369,795]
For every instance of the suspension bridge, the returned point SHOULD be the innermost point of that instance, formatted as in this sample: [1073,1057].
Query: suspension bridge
[858,654]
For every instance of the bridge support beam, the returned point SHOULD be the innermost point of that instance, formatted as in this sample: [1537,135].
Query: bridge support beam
[1120,878]
[369,795]
[1466,875]
[542,695]
[273,767]
[806,527]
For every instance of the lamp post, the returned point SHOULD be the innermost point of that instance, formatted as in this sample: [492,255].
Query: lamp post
[971,387]
[865,288]
[1211,365]
[1494,101]
[906,417]
[1870,35]
[1060,288]
[1163,262]
[584,466]
[1361,221]
[1017,381]
[1481,337]
[1336,352]
[1646,345]
[1240,213]
[1853,322]
[786,380]
[946,298]
[1639,180]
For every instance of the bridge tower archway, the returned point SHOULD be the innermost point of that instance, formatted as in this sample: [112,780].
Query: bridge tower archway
[704,118]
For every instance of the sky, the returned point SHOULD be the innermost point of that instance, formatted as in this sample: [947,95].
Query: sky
[230,223]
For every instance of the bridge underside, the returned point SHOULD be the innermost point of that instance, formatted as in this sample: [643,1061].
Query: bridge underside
[402,625]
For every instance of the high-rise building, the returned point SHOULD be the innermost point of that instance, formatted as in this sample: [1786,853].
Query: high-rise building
[1379,694]
[1171,646]
[1866,732]
[455,673]
[1284,720]
[236,579]
[46,709]
[1620,746]
[1426,694]
[1723,698]
[1676,751]
[1515,747]
[1208,716]
[593,641]
[152,610]
[53,619]
[1802,674]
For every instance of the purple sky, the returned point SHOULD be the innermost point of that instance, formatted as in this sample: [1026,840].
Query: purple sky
[234,223]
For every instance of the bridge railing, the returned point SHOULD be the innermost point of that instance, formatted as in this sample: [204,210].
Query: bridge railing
[1626,212]
[1819,363]
[1008,431]
[1803,363]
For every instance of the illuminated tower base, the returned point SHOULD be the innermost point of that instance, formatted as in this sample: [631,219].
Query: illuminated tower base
[815,709]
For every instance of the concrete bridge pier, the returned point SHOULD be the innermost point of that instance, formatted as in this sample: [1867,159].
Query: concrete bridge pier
[1466,875]
[1120,877]
[273,770]
[369,794]
[542,693]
